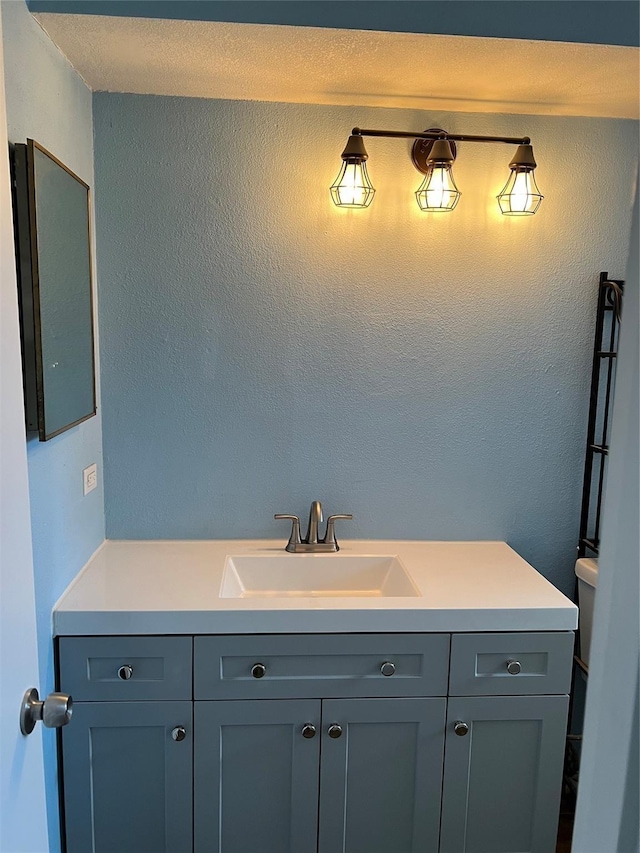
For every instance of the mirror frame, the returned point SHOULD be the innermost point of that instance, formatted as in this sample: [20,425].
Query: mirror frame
[26,232]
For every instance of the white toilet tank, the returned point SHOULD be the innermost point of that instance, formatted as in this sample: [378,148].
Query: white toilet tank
[587,574]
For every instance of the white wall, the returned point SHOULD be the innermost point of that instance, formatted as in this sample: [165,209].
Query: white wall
[607,813]
[22,805]
[49,102]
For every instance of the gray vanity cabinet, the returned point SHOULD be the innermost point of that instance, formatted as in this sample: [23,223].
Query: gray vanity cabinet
[256,776]
[504,750]
[503,774]
[315,743]
[127,769]
[257,767]
[380,779]
[261,747]
[127,760]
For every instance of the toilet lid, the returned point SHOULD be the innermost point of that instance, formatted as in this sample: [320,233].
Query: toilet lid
[587,570]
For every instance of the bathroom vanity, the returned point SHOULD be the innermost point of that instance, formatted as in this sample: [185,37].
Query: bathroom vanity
[218,707]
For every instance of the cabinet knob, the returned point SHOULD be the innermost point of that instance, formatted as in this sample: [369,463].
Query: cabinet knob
[125,672]
[334,731]
[308,730]
[179,733]
[460,728]
[55,711]
[513,667]
[388,668]
[258,670]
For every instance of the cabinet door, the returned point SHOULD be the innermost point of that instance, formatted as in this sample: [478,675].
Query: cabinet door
[127,781]
[256,776]
[380,780]
[503,778]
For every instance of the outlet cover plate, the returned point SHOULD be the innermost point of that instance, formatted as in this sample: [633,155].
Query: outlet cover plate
[89,478]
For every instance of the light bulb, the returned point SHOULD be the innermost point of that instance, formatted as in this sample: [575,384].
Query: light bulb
[352,187]
[438,191]
[521,196]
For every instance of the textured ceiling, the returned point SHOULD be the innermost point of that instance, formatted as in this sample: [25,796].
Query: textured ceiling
[349,67]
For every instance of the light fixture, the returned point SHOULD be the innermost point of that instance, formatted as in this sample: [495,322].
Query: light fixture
[352,187]
[438,191]
[521,196]
[433,153]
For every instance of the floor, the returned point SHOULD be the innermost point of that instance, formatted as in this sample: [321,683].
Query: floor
[565,827]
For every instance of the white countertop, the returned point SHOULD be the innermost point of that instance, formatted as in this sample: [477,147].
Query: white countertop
[173,587]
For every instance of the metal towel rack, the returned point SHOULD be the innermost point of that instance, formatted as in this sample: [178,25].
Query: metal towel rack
[603,374]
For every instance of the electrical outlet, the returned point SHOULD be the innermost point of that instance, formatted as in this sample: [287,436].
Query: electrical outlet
[90,478]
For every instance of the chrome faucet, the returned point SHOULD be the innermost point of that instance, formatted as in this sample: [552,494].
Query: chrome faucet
[311,543]
[315,516]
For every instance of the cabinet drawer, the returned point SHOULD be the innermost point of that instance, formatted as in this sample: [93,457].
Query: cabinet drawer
[510,664]
[99,669]
[312,665]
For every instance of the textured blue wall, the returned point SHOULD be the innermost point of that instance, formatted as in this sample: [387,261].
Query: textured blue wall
[590,21]
[47,100]
[261,348]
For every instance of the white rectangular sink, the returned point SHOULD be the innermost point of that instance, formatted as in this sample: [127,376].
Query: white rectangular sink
[315,576]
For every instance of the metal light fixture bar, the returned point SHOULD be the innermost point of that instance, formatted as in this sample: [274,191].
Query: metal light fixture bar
[451,137]
[433,154]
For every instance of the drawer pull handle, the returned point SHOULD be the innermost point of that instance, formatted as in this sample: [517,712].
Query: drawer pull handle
[308,730]
[513,667]
[334,731]
[460,728]
[258,670]
[388,668]
[125,672]
[179,733]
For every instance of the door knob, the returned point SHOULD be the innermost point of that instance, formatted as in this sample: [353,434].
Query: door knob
[388,668]
[334,731]
[460,728]
[308,730]
[179,733]
[55,711]
[125,671]
[513,667]
[258,670]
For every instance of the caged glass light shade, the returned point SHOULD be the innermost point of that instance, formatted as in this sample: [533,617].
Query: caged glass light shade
[352,187]
[520,195]
[438,191]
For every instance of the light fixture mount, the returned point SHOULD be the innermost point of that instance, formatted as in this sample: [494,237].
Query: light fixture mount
[523,159]
[355,150]
[421,149]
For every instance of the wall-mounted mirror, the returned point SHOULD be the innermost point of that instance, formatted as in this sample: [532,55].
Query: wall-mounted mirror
[53,248]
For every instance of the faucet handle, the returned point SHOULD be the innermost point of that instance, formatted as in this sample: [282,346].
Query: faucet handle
[294,539]
[330,536]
